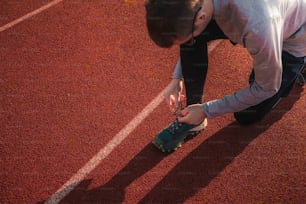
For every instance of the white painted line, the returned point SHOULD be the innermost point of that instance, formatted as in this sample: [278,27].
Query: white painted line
[105,151]
[29,15]
[75,180]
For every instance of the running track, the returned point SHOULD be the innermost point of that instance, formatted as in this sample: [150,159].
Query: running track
[80,103]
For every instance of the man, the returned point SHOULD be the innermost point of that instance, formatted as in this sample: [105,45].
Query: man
[273,32]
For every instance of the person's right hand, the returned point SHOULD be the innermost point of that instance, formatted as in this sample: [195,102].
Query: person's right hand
[174,96]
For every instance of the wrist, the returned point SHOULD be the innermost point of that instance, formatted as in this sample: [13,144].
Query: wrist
[203,109]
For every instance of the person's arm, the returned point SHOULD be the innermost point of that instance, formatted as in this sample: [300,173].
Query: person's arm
[173,92]
[264,44]
[177,73]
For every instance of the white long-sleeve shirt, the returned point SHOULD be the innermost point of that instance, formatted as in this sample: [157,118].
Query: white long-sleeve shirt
[265,28]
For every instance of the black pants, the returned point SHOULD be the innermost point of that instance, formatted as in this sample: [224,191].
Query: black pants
[194,60]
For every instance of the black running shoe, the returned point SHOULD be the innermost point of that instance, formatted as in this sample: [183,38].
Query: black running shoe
[172,137]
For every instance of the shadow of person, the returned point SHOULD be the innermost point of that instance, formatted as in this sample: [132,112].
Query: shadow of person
[113,191]
[202,165]
[194,172]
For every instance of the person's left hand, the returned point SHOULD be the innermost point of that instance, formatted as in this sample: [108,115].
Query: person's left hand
[193,114]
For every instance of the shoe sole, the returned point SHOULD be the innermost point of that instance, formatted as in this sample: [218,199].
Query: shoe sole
[174,145]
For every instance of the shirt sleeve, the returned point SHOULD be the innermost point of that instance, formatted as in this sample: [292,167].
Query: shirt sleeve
[264,43]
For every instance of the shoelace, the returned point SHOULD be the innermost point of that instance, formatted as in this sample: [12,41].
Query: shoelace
[174,126]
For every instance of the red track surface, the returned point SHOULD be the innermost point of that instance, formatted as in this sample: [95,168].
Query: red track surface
[73,76]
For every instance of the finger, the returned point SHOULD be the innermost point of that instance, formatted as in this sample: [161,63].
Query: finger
[184,119]
[185,112]
[182,99]
[168,102]
[184,116]
[172,103]
[181,85]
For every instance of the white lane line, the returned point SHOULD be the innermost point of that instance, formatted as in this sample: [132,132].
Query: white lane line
[29,15]
[105,151]
[75,180]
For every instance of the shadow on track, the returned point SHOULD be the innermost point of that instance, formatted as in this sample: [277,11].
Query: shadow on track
[202,165]
[114,190]
[193,173]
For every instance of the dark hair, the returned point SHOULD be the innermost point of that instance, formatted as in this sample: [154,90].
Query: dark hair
[169,20]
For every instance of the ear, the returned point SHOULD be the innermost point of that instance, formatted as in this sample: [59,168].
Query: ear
[201,18]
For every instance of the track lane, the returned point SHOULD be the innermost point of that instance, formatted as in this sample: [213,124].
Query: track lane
[52,109]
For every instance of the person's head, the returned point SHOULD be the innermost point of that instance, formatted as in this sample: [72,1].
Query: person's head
[172,21]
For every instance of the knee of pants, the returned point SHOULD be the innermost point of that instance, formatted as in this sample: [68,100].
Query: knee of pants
[248,117]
